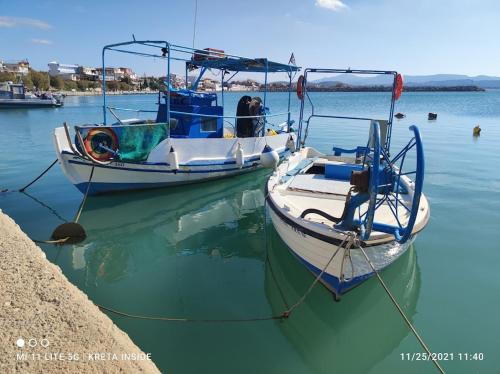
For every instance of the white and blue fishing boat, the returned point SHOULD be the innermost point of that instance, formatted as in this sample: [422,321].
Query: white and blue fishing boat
[319,201]
[190,139]
[14,96]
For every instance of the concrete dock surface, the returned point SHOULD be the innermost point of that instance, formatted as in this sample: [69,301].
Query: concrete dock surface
[47,325]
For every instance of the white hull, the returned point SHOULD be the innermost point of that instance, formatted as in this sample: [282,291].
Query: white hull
[199,160]
[312,238]
[343,273]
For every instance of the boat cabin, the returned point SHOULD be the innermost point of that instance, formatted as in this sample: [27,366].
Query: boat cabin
[186,106]
[9,90]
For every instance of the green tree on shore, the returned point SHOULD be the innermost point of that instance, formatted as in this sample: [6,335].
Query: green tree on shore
[112,85]
[70,85]
[6,77]
[57,82]
[82,85]
[28,83]
[40,80]
[124,86]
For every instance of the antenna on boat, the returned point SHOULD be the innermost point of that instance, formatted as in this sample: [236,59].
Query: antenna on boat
[195,16]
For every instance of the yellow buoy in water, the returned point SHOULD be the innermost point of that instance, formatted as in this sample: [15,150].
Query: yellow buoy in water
[476,131]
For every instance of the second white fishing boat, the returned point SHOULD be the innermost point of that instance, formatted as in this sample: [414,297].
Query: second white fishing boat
[324,206]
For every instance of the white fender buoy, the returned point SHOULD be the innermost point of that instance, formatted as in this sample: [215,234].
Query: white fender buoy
[173,159]
[269,157]
[240,157]
[290,144]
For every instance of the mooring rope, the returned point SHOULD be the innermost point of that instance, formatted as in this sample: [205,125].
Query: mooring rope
[37,178]
[80,208]
[286,314]
[402,313]
[52,210]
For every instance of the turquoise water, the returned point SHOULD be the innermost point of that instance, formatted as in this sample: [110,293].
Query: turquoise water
[200,251]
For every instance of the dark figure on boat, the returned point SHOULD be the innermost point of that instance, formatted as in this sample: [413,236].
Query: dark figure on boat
[255,108]
[249,127]
[244,126]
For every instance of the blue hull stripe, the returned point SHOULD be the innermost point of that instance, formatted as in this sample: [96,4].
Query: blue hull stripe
[194,163]
[160,170]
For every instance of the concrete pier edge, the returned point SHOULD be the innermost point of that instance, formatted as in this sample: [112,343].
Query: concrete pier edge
[47,324]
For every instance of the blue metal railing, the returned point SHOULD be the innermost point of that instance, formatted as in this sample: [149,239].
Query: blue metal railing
[167,50]
[302,130]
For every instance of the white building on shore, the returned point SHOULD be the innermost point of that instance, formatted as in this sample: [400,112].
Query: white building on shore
[78,72]
[16,67]
[65,71]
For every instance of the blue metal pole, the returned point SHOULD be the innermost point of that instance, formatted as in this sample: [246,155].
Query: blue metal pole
[265,96]
[168,88]
[289,99]
[103,86]
[222,90]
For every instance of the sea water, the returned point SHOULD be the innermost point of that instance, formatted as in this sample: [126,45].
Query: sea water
[208,251]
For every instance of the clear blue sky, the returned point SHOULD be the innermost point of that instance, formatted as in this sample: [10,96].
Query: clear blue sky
[414,37]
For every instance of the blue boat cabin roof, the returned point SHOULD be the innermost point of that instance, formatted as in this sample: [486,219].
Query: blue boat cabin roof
[256,65]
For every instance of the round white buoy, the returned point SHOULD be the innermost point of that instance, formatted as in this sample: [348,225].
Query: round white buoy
[269,157]
[240,157]
[173,159]
[290,144]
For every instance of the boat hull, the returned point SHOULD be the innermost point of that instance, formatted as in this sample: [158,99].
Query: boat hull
[346,270]
[28,103]
[215,160]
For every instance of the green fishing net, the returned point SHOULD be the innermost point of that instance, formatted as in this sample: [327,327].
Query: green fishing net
[136,142]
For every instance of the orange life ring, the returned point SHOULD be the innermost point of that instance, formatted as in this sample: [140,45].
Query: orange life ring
[97,136]
[399,86]
[300,88]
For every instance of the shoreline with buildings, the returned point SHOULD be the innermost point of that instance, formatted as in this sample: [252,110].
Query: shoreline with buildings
[78,80]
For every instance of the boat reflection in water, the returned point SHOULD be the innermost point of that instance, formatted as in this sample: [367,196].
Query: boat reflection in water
[349,336]
[129,232]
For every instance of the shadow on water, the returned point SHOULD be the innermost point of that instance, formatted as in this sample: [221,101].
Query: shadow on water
[350,335]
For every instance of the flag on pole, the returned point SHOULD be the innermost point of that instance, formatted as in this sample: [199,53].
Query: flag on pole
[292,60]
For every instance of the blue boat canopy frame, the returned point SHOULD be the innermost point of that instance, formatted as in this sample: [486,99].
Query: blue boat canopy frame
[304,123]
[202,60]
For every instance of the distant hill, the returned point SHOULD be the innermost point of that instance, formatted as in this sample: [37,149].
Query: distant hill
[436,80]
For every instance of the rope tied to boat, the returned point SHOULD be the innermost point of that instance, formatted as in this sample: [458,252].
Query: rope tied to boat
[349,239]
[357,243]
[68,232]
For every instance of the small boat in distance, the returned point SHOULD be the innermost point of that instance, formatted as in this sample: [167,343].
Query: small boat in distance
[13,95]
[190,139]
[432,116]
[326,207]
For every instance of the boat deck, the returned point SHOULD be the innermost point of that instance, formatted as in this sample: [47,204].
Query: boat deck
[303,189]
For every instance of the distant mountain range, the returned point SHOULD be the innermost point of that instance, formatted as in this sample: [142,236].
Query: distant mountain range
[436,80]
